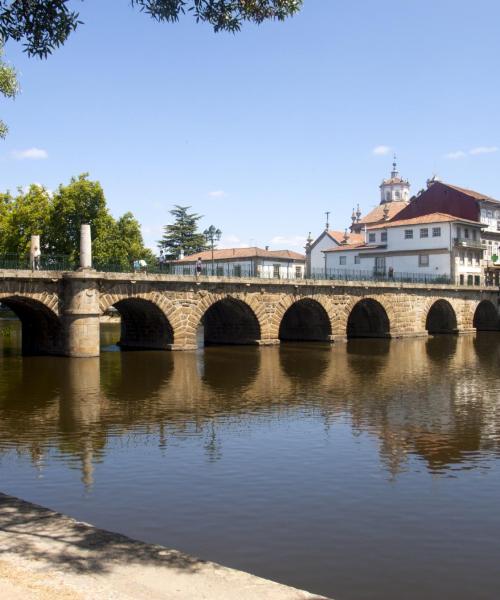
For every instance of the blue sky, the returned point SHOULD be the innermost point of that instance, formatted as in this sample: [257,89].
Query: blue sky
[265,130]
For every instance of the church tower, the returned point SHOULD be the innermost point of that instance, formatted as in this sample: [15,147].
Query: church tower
[394,189]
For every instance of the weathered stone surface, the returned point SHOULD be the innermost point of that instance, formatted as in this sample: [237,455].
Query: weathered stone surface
[60,311]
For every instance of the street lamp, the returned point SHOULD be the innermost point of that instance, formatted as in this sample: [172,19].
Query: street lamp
[212,235]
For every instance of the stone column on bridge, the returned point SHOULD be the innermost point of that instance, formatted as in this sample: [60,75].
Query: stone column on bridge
[85,247]
[81,314]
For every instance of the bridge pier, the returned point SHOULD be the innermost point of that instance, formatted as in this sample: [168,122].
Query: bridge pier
[81,315]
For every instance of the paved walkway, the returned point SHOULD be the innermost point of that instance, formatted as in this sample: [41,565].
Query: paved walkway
[47,556]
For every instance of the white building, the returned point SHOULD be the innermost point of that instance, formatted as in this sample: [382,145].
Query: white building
[435,246]
[315,258]
[244,262]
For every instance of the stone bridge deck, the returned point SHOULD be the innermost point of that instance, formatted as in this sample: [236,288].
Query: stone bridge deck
[60,311]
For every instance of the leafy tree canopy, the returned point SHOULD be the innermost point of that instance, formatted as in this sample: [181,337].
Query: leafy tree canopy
[57,217]
[43,25]
[182,236]
[8,86]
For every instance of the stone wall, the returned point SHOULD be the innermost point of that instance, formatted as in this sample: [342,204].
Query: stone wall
[61,311]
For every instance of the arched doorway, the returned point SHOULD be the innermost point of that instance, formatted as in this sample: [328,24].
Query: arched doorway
[486,317]
[230,321]
[305,320]
[441,318]
[41,328]
[368,319]
[143,325]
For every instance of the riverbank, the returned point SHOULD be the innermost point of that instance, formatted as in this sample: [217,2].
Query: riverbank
[48,556]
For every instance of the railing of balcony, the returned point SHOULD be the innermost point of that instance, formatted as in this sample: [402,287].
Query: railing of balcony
[468,243]
[45,263]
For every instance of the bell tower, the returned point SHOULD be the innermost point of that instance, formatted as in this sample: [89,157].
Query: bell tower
[394,189]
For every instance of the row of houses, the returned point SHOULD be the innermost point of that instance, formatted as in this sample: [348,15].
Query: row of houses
[445,233]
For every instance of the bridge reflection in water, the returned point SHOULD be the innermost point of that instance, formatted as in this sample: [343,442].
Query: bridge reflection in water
[317,455]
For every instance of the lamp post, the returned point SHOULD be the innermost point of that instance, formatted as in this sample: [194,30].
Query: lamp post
[212,235]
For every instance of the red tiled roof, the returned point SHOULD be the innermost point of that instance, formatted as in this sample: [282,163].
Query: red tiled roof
[430,218]
[472,193]
[352,247]
[338,236]
[241,253]
[377,214]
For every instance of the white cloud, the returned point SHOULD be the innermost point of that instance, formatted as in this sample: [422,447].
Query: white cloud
[455,155]
[483,150]
[230,240]
[294,241]
[217,194]
[30,153]
[381,150]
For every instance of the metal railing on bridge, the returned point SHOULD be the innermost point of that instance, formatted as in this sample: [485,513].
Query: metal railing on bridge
[286,273]
[45,263]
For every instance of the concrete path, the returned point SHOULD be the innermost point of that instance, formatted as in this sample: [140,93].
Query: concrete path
[48,556]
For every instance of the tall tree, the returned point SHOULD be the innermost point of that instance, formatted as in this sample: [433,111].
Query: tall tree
[182,235]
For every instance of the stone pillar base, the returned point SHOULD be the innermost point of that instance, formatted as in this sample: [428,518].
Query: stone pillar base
[339,338]
[409,334]
[466,331]
[181,347]
[271,342]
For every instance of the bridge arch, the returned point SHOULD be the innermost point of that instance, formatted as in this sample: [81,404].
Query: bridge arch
[486,317]
[441,317]
[368,318]
[305,320]
[230,321]
[41,327]
[146,322]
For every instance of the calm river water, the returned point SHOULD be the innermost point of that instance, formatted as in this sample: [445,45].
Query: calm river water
[365,470]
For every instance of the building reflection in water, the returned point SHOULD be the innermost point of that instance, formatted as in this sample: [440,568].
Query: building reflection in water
[434,400]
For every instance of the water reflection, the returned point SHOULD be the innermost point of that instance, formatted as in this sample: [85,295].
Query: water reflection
[435,399]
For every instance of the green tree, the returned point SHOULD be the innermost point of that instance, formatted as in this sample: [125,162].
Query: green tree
[57,218]
[22,216]
[44,25]
[8,86]
[182,235]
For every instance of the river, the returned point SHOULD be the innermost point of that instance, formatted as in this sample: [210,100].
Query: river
[366,470]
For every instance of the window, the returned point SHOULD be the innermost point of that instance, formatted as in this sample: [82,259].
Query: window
[357,260]
[469,258]
[371,237]
[398,194]
[462,280]
[298,272]
[436,232]
[342,260]
[423,260]
[237,270]
[380,265]
[276,271]
[424,233]
[490,214]
[474,234]
[477,280]
[219,271]
[466,233]
[408,234]
[469,279]
[388,196]
[383,236]
[462,257]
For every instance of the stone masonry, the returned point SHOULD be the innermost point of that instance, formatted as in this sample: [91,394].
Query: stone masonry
[60,312]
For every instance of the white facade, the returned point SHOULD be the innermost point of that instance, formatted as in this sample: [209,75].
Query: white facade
[490,216]
[443,248]
[261,267]
[394,189]
[317,257]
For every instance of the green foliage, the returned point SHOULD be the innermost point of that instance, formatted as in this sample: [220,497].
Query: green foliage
[8,86]
[57,218]
[182,234]
[44,25]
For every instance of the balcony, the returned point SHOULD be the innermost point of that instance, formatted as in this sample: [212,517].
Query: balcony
[468,243]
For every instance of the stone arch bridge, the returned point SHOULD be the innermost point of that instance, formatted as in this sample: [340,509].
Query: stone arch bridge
[60,311]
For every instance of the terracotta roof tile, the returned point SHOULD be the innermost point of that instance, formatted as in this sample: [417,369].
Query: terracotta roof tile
[472,193]
[241,253]
[338,236]
[377,214]
[430,218]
